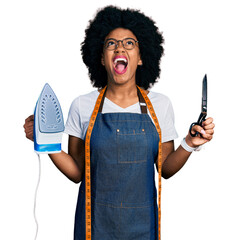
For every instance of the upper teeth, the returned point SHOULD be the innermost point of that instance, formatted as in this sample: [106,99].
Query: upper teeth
[120,59]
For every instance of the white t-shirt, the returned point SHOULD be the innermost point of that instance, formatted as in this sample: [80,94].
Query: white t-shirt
[82,107]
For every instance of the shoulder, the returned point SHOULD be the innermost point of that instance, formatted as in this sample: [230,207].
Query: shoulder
[158,98]
[88,96]
[85,100]
[83,105]
[161,104]
[165,114]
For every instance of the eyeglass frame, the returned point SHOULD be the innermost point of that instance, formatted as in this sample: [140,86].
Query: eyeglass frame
[116,46]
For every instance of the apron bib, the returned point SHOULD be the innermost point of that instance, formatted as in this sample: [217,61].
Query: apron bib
[123,151]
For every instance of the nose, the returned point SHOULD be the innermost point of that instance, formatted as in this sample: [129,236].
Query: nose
[119,47]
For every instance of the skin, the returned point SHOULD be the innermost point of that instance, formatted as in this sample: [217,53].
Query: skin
[122,91]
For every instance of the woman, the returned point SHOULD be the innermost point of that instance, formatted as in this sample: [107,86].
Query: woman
[122,50]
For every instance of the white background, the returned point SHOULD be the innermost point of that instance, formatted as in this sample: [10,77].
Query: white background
[40,42]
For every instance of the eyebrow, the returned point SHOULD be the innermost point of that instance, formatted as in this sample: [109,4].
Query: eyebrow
[121,39]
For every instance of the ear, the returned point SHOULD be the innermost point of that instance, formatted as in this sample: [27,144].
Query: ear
[102,60]
[140,62]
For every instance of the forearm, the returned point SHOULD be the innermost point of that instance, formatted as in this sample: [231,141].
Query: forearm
[66,164]
[174,162]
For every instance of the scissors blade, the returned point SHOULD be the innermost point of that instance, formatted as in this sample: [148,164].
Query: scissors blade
[204,94]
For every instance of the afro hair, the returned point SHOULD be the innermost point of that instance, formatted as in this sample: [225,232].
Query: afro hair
[143,27]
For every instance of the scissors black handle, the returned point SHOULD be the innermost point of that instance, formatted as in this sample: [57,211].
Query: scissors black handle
[201,119]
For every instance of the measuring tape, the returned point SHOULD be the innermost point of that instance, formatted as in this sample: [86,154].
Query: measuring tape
[156,122]
[88,219]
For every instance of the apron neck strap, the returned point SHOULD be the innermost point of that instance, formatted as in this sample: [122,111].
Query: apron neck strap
[142,102]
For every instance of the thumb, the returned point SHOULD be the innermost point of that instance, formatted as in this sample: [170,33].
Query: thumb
[199,129]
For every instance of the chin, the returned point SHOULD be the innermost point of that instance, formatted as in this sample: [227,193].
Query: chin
[120,81]
[123,79]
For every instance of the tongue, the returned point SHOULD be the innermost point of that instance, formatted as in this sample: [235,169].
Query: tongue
[120,67]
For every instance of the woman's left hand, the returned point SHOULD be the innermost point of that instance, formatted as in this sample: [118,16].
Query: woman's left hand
[205,133]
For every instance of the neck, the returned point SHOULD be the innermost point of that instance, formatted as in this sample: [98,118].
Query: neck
[121,91]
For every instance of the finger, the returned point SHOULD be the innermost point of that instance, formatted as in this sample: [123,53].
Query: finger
[28,126]
[207,121]
[29,119]
[197,128]
[28,130]
[209,131]
[209,126]
[30,135]
[207,136]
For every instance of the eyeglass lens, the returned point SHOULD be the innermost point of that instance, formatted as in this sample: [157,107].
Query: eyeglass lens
[128,43]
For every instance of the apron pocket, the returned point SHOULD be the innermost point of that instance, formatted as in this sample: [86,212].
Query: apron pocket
[126,221]
[137,223]
[106,224]
[131,146]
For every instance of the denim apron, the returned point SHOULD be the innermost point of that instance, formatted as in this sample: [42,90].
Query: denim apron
[124,149]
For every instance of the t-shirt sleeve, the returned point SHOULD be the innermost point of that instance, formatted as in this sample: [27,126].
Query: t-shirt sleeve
[168,129]
[165,114]
[73,124]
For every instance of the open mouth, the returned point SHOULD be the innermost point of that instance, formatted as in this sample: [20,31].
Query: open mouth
[120,64]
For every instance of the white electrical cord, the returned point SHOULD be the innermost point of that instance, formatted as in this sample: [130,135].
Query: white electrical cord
[34,211]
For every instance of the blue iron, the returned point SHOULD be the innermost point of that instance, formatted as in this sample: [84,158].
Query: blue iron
[48,122]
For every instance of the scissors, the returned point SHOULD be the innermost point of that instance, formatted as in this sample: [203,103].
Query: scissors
[203,113]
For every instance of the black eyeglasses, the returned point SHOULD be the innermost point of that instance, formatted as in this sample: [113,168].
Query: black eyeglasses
[127,43]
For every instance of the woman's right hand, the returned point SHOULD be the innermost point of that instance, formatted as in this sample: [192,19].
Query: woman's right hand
[28,126]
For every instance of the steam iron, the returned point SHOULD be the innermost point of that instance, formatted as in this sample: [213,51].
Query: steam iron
[48,122]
